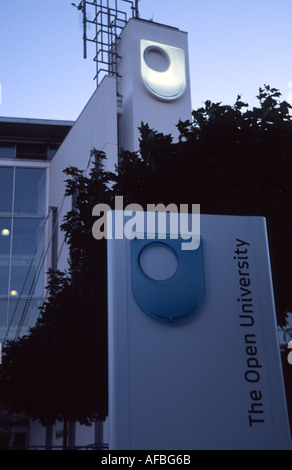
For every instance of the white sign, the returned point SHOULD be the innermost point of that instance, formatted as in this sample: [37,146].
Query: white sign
[163,70]
[195,365]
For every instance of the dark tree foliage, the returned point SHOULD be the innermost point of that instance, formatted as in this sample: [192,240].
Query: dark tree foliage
[231,160]
[59,370]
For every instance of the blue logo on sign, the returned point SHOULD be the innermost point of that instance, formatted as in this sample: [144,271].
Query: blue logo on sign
[168,283]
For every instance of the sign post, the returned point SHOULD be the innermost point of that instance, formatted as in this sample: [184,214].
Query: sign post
[194,359]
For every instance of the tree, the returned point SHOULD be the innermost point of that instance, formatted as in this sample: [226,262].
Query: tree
[61,365]
[231,160]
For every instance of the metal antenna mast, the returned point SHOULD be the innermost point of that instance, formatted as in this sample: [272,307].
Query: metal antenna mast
[108,22]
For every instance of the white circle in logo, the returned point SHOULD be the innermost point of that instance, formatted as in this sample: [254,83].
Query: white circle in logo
[158,261]
[156,58]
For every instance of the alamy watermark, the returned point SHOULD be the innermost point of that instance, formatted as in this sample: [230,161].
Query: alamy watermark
[158,221]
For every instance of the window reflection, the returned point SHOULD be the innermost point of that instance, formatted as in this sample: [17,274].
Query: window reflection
[3,312]
[7,151]
[6,190]
[27,249]
[27,236]
[29,192]
[5,243]
[25,312]
[21,246]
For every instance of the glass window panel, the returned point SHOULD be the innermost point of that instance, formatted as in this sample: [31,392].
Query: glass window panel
[52,151]
[4,278]
[27,250]
[3,314]
[15,310]
[7,151]
[24,311]
[5,242]
[6,190]
[30,190]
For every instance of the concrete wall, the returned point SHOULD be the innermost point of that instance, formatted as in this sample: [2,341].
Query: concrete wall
[96,127]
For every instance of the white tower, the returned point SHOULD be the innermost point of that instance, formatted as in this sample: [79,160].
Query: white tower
[154,80]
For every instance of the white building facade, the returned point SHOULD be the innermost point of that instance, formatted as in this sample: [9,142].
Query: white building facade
[151,85]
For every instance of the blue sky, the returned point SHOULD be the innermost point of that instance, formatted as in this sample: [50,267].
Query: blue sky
[235,47]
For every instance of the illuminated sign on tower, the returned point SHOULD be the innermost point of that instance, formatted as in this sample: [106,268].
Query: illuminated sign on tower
[163,70]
